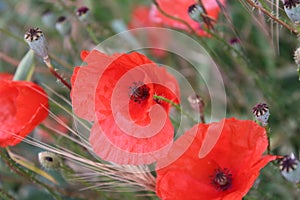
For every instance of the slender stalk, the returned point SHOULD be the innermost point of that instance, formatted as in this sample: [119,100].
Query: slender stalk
[52,70]
[268,131]
[9,59]
[5,196]
[28,175]
[6,32]
[266,12]
[92,34]
[175,105]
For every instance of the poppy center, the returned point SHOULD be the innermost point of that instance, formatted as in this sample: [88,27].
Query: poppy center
[139,92]
[221,179]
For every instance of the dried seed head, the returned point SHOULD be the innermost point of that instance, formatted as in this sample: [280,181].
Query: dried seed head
[289,168]
[37,42]
[83,13]
[288,163]
[49,160]
[63,26]
[292,10]
[289,4]
[261,113]
[195,11]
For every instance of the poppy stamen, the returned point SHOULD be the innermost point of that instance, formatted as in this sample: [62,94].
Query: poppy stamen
[139,92]
[221,179]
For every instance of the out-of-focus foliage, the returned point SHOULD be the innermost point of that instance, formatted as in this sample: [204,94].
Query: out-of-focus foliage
[265,72]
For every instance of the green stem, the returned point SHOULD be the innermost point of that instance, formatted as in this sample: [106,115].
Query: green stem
[19,170]
[47,61]
[5,196]
[175,105]
[226,44]
[6,32]
[268,131]
[92,34]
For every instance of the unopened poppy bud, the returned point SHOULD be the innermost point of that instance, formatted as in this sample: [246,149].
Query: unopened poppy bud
[63,26]
[292,10]
[49,160]
[288,166]
[48,18]
[261,113]
[37,42]
[195,11]
[83,13]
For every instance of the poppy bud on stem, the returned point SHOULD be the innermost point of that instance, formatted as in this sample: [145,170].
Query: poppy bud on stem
[37,42]
[261,114]
[83,14]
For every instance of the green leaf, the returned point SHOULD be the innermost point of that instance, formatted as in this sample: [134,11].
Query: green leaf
[29,165]
[25,68]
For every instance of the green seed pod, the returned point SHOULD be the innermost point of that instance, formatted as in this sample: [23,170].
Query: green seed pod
[49,160]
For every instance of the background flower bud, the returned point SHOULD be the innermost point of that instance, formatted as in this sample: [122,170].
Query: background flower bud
[63,26]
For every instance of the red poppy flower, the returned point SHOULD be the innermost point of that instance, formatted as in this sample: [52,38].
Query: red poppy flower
[23,106]
[140,18]
[179,8]
[117,93]
[228,171]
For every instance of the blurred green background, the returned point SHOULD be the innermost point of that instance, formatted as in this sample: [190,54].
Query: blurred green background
[265,73]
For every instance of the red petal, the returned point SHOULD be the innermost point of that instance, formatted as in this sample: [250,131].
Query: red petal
[179,8]
[24,106]
[123,149]
[84,82]
[6,76]
[239,149]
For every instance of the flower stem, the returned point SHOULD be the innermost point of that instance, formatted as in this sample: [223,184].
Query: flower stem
[268,131]
[175,105]
[19,170]
[52,70]
[5,196]
[92,34]
[269,14]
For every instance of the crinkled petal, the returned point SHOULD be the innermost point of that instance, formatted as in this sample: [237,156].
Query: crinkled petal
[24,106]
[129,150]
